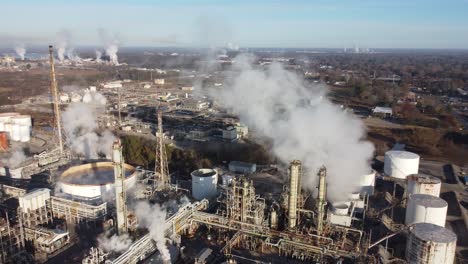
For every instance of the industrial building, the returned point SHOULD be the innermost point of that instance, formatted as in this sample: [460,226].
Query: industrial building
[242,167]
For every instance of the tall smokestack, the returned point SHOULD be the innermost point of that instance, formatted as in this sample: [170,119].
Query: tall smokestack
[321,198]
[160,165]
[294,191]
[120,195]
[53,88]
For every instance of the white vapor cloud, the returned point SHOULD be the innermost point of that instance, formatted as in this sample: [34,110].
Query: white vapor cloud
[302,124]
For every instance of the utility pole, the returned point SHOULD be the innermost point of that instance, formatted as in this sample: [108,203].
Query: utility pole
[54,92]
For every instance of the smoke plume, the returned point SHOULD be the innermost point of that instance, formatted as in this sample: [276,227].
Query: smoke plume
[20,50]
[114,243]
[153,218]
[302,124]
[111,45]
[80,126]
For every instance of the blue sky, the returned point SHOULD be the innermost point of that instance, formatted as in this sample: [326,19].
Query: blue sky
[261,23]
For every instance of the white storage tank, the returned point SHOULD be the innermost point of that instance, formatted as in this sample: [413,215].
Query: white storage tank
[34,200]
[340,208]
[15,133]
[424,208]
[423,184]
[367,183]
[400,164]
[430,244]
[204,184]
[25,133]
[23,120]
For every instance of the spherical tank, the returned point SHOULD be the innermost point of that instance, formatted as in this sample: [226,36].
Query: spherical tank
[204,183]
[430,244]
[400,164]
[424,208]
[423,184]
[92,180]
[367,183]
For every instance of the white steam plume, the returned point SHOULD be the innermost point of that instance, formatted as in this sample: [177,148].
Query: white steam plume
[153,218]
[114,243]
[20,50]
[98,56]
[111,45]
[62,42]
[302,124]
[80,125]
[16,158]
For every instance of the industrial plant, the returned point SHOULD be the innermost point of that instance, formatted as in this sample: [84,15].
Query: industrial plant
[80,199]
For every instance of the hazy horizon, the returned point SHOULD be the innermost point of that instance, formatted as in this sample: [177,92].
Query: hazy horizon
[255,24]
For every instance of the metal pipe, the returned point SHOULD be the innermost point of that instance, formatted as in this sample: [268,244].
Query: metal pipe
[53,88]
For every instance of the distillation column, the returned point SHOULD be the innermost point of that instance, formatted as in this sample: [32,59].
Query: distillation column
[294,191]
[120,195]
[53,88]
[321,198]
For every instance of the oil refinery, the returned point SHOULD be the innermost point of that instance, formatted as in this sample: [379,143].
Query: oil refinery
[92,206]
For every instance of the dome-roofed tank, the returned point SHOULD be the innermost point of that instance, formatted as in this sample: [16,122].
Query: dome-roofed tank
[400,164]
[430,244]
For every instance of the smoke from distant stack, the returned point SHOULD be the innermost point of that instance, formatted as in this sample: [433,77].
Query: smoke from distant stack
[302,123]
[111,45]
[20,50]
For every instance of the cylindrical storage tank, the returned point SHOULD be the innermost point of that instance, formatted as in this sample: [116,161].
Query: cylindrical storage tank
[24,120]
[400,164]
[367,183]
[3,141]
[204,184]
[340,208]
[6,117]
[15,133]
[92,180]
[25,133]
[430,244]
[423,184]
[8,128]
[424,208]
